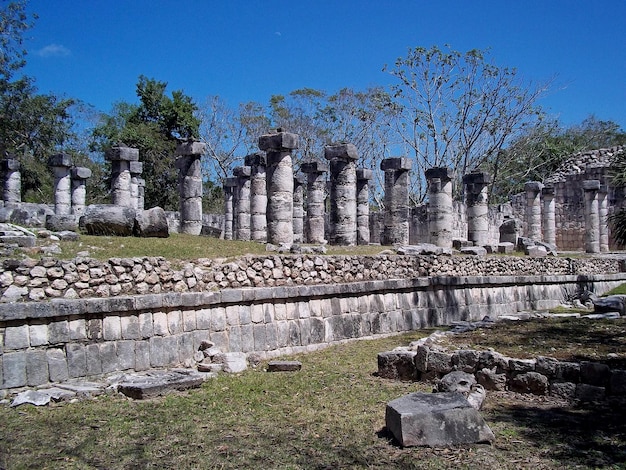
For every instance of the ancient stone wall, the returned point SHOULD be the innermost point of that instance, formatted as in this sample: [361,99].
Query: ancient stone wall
[52,341]
[49,278]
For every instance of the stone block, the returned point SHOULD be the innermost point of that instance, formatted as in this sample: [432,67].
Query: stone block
[491,380]
[94,329]
[171,344]
[587,393]
[364,174]
[76,360]
[341,151]
[108,356]
[158,354]
[60,159]
[160,323]
[36,368]
[435,420]
[94,364]
[506,248]
[260,341]
[125,355]
[122,153]
[175,322]
[136,168]
[161,384]
[77,329]
[232,315]
[57,365]
[284,366]
[189,320]
[396,164]
[279,141]
[533,187]
[16,337]
[218,319]
[190,147]
[591,185]
[142,355]
[80,173]
[617,384]
[595,373]
[203,319]
[185,346]
[59,332]
[565,390]
[14,370]
[442,173]
[255,159]
[247,338]
[479,177]
[465,360]
[111,328]
[130,326]
[529,382]
[399,365]
[314,167]
[233,362]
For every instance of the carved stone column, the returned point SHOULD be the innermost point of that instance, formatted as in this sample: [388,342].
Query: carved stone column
[230,185]
[242,202]
[298,208]
[61,164]
[12,180]
[188,155]
[363,176]
[592,216]
[533,209]
[342,159]
[120,158]
[315,194]
[79,175]
[440,205]
[258,196]
[396,216]
[549,215]
[476,198]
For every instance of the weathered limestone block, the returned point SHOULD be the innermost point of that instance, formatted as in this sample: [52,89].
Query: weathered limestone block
[151,223]
[435,420]
[107,219]
[397,365]
[284,366]
[529,382]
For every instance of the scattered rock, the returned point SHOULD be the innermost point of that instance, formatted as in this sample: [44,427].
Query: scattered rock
[284,366]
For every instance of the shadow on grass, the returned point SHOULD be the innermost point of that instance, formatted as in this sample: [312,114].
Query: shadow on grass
[589,435]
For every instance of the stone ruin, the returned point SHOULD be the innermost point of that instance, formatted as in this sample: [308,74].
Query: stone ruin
[328,202]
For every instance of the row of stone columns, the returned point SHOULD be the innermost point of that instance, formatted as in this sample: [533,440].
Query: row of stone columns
[69,185]
[543,222]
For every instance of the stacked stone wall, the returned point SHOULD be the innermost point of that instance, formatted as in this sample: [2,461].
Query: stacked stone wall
[55,340]
[49,278]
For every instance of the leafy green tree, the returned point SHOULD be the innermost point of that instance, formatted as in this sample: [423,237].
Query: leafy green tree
[154,126]
[538,151]
[457,109]
[32,126]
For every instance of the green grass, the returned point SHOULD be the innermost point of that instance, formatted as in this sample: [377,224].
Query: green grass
[179,247]
[328,415]
[619,290]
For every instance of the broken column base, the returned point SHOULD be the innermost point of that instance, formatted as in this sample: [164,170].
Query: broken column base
[436,420]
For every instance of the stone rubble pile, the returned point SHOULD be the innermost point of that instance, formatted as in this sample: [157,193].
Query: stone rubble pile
[48,278]
[578,162]
[428,360]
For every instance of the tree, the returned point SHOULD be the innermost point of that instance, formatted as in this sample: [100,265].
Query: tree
[154,126]
[457,109]
[32,126]
[538,151]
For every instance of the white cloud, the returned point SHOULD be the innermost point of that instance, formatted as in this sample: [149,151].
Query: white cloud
[54,50]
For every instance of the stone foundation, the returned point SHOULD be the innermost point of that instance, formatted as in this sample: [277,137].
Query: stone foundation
[55,340]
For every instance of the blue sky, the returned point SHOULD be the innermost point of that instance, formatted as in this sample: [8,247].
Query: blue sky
[244,51]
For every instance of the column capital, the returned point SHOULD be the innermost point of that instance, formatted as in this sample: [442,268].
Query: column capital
[341,151]
[121,152]
[314,167]
[364,174]
[190,147]
[80,173]
[60,159]
[477,177]
[255,159]
[591,185]
[533,186]
[396,164]
[442,173]
[279,141]
[242,171]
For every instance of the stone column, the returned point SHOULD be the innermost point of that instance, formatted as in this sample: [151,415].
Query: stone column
[242,203]
[363,176]
[342,158]
[61,164]
[136,169]
[120,158]
[603,213]
[549,218]
[298,209]
[440,205]
[230,185]
[190,185]
[533,209]
[11,180]
[396,215]
[278,148]
[141,193]
[592,216]
[476,198]
[79,175]
[258,196]
[315,200]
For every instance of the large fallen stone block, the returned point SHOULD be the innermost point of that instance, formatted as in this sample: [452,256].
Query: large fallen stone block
[611,303]
[160,384]
[151,223]
[436,420]
[107,219]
